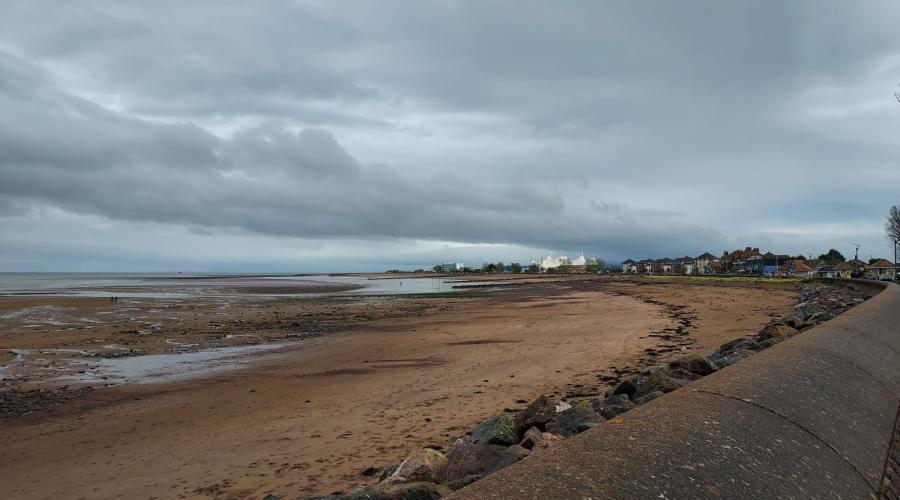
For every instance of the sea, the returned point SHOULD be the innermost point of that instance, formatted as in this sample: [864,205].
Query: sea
[184,285]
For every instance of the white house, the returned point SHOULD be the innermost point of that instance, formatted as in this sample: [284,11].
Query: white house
[882,269]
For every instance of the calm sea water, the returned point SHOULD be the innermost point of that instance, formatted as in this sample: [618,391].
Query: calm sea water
[174,285]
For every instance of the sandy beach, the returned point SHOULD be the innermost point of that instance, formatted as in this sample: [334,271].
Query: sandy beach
[372,380]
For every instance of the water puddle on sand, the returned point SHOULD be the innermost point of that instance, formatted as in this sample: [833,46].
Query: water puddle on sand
[161,368]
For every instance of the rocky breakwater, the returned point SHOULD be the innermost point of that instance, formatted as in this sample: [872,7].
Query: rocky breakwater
[507,438]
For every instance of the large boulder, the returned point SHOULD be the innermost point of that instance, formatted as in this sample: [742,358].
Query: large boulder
[415,491]
[421,465]
[613,405]
[739,343]
[776,332]
[458,484]
[679,373]
[648,397]
[734,351]
[534,439]
[466,458]
[538,413]
[732,357]
[419,490]
[500,429]
[791,321]
[575,420]
[627,387]
[694,364]
[657,381]
[818,317]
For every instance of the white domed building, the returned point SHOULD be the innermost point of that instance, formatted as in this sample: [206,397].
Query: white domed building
[563,263]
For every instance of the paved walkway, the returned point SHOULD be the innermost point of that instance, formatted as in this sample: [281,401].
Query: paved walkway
[891,487]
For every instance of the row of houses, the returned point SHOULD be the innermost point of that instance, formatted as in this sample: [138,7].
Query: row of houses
[706,263]
[879,269]
[751,261]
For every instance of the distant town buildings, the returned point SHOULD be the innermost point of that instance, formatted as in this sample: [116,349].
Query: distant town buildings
[563,263]
[547,264]
[748,261]
[453,267]
[751,261]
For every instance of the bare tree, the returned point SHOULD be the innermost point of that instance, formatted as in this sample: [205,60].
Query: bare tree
[892,228]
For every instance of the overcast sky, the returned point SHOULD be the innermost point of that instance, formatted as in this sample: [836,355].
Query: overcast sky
[330,135]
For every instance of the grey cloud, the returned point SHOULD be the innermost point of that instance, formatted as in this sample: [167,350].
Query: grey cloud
[630,127]
[265,179]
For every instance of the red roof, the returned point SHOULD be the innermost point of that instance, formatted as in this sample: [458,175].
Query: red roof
[883,263]
[798,266]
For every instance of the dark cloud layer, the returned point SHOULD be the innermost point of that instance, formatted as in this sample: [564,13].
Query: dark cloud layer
[629,129]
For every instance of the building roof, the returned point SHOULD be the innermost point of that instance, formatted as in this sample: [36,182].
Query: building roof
[627,261]
[882,263]
[800,265]
[707,256]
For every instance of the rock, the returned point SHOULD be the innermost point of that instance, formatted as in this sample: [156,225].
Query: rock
[741,343]
[414,491]
[561,407]
[421,465]
[791,321]
[467,458]
[765,344]
[777,332]
[628,386]
[734,351]
[648,397]
[574,421]
[532,437]
[369,471]
[695,364]
[657,380]
[500,429]
[818,317]
[538,413]
[679,374]
[390,469]
[419,490]
[535,439]
[457,484]
[612,406]
[733,357]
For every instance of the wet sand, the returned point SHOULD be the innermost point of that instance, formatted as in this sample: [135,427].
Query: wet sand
[310,419]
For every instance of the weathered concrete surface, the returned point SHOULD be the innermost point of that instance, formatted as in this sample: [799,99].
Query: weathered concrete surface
[811,417]
[890,488]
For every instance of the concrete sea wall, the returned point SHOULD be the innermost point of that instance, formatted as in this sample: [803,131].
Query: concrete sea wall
[811,417]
